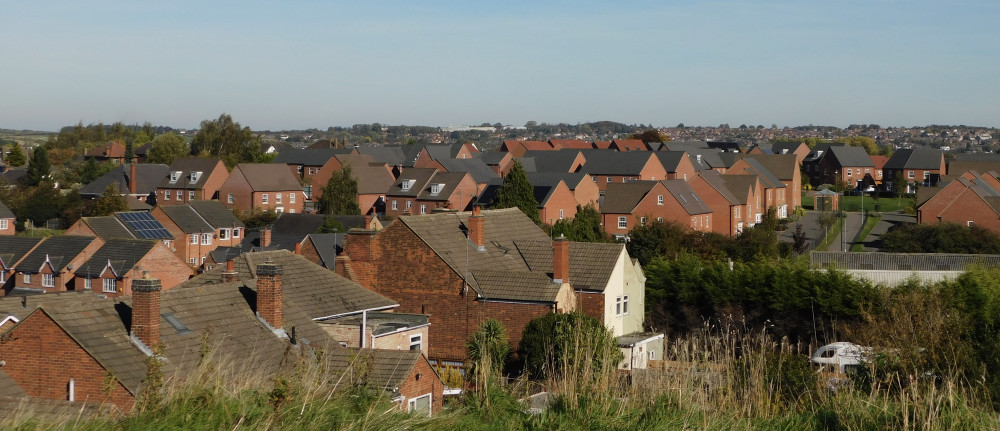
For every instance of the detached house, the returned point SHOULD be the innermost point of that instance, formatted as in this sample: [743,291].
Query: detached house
[264,186]
[199,228]
[113,151]
[972,199]
[191,179]
[636,203]
[133,181]
[922,166]
[421,190]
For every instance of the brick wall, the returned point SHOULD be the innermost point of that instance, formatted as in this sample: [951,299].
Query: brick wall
[428,383]
[42,359]
[9,229]
[310,253]
[562,199]
[592,304]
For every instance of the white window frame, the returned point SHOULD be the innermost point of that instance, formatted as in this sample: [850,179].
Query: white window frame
[206,239]
[423,208]
[190,195]
[291,197]
[412,402]
[166,195]
[48,280]
[88,283]
[561,213]
[622,222]
[193,261]
[970,223]
[618,306]
[231,198]
[4,224]
[194,238]
[659,199]
[223,233]
[277,198]
[417,341]
[26,278]
[625,305]
[263,199]
[409,205]
[395,205]
[642,221]
[236,232]
[109,285]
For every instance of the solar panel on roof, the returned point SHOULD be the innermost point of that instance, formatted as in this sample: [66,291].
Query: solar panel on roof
[144,225]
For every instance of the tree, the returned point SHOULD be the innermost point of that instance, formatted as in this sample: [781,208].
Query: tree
[487,349]
[331,225]
[166,148]
[16,156]
[651,135]
[340,195]
[38,168]
[225,139]
[110,202]
[43,203]
[557,343]
[585,226]
[517,192]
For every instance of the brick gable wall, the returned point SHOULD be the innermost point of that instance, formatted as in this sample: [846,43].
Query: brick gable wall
[42,358]
[429,383]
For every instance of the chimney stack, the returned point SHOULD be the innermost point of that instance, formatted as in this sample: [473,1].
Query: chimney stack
[269,295]
[230,275]
[265,237]
[146,310]
[477,228]
[298,248]
[131,179]
[560,260]
[368,222]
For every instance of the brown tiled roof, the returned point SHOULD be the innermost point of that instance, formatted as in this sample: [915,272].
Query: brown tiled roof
[449,180]
[714,179]
[515,286]
[185,217]
[108,227]
[8,387]
[268,177]
[686,196]
[186,167]
[216,214]
[320,292]
[590,263]
[375,368]
[445,234]
[419,176]
[621,198]
[782,166]
[740,186]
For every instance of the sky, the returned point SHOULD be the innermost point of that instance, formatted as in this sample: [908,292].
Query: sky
[297,64]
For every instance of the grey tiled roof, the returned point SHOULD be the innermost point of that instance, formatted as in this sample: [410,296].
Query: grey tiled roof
[108,227]
[515,286]
[621,198]
[8,387]
[901,261]
[319,292]
[687,197]
[449,182]
[216,214]
[148,177]
[590,264]
[13,248]
[390,155]
[327,245]
[187,166]
[490,157]
[572,179]
[784,166]
[187,219]
[419,176]
[850,156]
[309,157]
[553,161]
[542,192]
[445,234]
[919,158]
[480,172]
[756,168]
[609,162]
[59,250]
[268,177]
[120,253]
[671,159]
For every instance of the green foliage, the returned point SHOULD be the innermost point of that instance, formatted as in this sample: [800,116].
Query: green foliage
[487,350]
[225,139]
[38,168]
[584,227]
[553,342]
[517,192]
[941,238]
[340,195]
[331,225]
[787,296]
[656,239]
[86,172]
[110,202]
[166,148]
[651,135]
[43,203]
[256,218]
[16,157]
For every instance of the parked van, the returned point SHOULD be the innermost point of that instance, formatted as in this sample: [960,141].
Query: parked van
[839,359]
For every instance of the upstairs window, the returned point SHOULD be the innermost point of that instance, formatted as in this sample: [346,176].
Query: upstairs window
[166,195]
[416,342]
[48,280]
[206,239]
[110,285]
[194,238]
[223,233]
[230,198]
[277,198]
[191,195]
[291,198]
[659,199]
[263,198]
[622,222]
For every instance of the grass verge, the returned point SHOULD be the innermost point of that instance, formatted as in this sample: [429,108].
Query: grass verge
[870,224]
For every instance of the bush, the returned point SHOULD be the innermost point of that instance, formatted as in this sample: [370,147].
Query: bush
[552,343]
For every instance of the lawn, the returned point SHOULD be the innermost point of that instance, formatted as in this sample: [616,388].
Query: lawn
[853,203]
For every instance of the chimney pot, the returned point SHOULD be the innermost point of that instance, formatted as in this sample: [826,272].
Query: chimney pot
[230,275]
[146,310]
[269,294]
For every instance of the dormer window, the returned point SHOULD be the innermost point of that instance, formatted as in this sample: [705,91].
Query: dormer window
[174,176]
[195,176]
[436,188]
[407,184]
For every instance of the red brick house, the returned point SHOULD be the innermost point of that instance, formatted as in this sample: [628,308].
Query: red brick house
[748,190]
[799,149]
[677,164]
[421,190]
[849,164]
[775,192]
[500,162]
[113,151]
[787,169]
[971,199]
[265,186]
[476,270]
[582,185]
[113,267]
[306,162]
[555,200]
[710,186]
[922,166]
[636,203]
[49,266]
[199,228]
[373,178]
[619,167]
[191,179]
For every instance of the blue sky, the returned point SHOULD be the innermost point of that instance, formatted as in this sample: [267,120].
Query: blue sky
[300,64]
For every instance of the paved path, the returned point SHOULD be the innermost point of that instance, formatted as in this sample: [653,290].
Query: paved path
[874,240]
[810,226]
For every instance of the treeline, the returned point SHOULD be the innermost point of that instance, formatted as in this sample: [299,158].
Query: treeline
[941,238]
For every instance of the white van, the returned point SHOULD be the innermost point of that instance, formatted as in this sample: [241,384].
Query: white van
[839,358]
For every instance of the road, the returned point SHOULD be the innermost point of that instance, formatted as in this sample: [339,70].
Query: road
[849,230]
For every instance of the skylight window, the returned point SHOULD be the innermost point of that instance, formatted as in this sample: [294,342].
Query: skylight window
[179,326]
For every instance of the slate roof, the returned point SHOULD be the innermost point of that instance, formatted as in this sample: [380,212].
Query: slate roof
[785,147]
[5,211]
[481,173]
[621,198]
[542,192]
[148,176]
[328,246]
[784,166]
[268,177]
[450,181]
[390,155]
[918,158]
[671,160]
[553,161]
[850,156]
[187,166]
[901,261]
[490,157]
[741,186]
[286,231]
[765,175]
[13,248]
[108,227]
[187,219]
[608,162]
[59,250]
[308,156]
[419,176]
[590,264]
[8,387]
[320,293]
[729,147]
[445,234]
[122,254]
[571,179]
[978,157]
[714,179]
[223,254]
[216,214]
[686,196]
